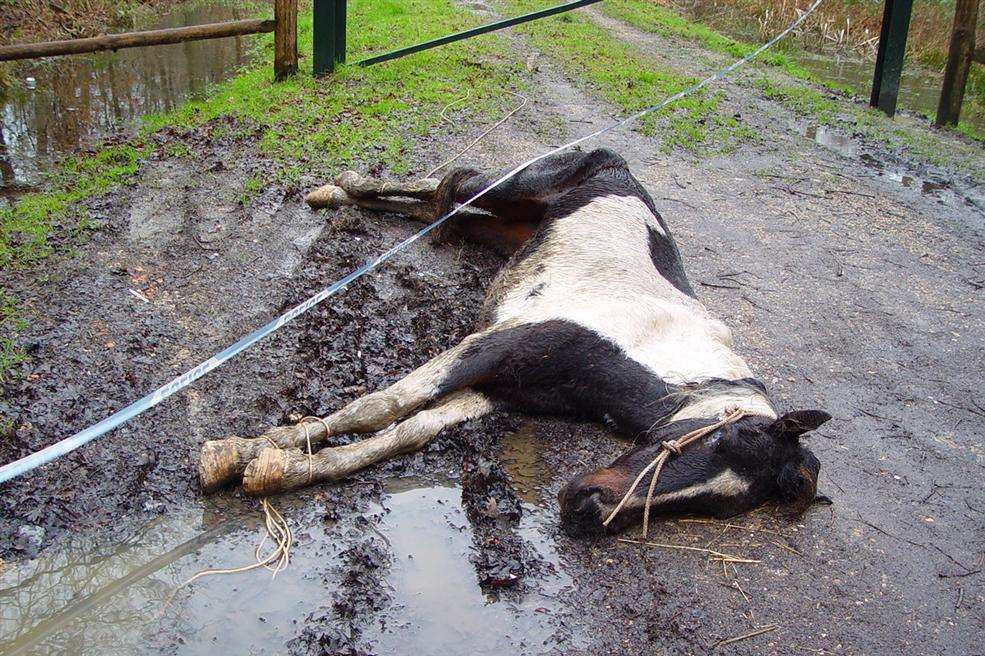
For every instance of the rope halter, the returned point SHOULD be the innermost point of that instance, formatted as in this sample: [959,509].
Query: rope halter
[670,448]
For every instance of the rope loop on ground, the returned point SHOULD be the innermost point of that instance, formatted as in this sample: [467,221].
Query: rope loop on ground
[277,530]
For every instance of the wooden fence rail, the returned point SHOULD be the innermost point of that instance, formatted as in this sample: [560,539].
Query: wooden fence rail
[284,27]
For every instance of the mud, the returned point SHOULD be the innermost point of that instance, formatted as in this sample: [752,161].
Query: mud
[847,290]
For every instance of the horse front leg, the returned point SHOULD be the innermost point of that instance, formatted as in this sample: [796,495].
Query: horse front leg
[223,461]
[279,470]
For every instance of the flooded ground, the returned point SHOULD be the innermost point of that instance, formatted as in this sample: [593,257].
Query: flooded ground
[77,100]
[943,189]
[919,88]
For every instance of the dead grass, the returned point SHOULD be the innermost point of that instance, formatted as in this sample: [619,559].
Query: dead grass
[39,20]
[850,24]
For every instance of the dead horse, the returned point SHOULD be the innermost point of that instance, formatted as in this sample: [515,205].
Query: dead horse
[592,318]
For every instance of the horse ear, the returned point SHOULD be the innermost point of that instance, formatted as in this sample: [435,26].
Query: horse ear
[794,424]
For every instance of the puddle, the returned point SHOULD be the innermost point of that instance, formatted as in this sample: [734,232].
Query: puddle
[82,98]
[937,188]
[438,606]
[85,597]
[831,139]
[521,457]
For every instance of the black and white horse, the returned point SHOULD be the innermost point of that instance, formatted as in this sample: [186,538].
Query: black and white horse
[592,318]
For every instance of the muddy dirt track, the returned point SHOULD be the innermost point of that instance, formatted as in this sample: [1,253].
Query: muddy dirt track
[852,287]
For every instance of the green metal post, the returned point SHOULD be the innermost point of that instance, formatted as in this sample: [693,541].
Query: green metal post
[889,59]
[339,31]
[328,39]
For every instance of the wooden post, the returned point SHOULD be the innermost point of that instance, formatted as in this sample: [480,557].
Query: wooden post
[959,56]
[285,38]
[889,58]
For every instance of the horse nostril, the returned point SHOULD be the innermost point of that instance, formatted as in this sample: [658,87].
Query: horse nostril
[581,502]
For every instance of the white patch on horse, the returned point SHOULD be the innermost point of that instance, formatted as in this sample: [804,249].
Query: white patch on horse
[727,484]
[722,403]
[594,268]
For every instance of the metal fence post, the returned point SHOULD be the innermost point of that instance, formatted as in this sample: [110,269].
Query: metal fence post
[339,31]
[889,59]
[328,35]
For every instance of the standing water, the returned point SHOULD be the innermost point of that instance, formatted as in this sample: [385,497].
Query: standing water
[77,100]
[919,88]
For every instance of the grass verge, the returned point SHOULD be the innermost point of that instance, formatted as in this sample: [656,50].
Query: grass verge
[371,115]
[11,324]
[651,17]
[26,225]
[618,73]
[807,100]
[661,20]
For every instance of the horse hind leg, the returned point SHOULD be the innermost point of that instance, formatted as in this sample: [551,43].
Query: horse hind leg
[412,199]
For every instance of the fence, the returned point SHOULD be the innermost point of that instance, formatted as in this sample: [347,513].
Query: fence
[283,25]
[329,45]
[892,46]
[329,33]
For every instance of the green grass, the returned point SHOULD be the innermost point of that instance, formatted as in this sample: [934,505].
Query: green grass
[25,226]
[371,115]
[618,73]
[368,115]
[651,17]
[811,97]
[805,101]
[10,325]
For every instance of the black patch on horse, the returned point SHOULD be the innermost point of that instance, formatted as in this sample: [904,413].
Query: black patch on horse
[559,368]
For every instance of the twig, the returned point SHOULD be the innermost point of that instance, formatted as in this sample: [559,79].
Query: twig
[961,407]
[786,547]
[480,137]
[716,286]
[746,636]
[848,191]
[715,554]
[915,544]
[958,575]
[734,585]
[678,200]
[740,527]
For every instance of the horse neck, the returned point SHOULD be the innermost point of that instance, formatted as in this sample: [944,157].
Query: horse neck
[716,399]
